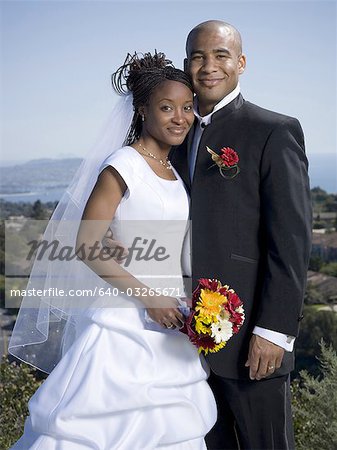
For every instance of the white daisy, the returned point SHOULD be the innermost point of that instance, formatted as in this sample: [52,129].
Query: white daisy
[222,331]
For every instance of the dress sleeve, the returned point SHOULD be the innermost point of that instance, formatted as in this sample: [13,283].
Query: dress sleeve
[124,166]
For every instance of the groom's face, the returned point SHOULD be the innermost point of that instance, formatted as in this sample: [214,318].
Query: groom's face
[214,61]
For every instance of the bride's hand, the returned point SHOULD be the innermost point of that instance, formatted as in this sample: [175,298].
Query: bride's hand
[165,311]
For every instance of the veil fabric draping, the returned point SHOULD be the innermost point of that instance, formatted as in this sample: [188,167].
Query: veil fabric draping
[47,324]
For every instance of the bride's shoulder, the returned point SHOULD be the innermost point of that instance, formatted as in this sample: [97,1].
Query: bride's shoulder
[126,160]
[126,155]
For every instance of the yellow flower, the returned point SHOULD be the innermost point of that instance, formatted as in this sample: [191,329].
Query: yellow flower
[202,324]
[200,327]
[215,349]
[210,303]
[207,319]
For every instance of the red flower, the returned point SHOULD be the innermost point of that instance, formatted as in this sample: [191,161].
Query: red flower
[187,328]
[203,340]
[237,326]
[234,299]
[229,157]
[207,283]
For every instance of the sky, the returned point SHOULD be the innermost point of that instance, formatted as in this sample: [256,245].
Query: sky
[57,57]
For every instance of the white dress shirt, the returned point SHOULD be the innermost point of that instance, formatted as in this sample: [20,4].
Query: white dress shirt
[280,339]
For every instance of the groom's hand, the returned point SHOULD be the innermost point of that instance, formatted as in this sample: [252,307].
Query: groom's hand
[114,248]
[264,358]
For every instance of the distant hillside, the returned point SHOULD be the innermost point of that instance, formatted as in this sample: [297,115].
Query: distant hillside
[37,175]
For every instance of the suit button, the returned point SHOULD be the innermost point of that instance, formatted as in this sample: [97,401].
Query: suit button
[300,318]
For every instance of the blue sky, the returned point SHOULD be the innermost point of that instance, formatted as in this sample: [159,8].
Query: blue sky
[57,57]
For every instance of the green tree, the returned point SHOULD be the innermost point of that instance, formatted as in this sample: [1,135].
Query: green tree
[2,247]
[330,269]
[313,296]
[315,405]
[316,325]
[330,203]
[17,385]
[318,195]
[315,263]
[2,291]
[38,211]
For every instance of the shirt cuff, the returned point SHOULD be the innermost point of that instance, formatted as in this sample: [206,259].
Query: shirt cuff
[280,339]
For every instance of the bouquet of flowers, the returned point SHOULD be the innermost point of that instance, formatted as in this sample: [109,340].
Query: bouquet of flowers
[216,315]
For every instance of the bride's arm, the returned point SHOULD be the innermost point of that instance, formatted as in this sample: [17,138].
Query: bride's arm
[97,216]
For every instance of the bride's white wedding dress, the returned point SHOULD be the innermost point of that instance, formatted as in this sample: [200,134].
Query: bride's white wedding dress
[122,385]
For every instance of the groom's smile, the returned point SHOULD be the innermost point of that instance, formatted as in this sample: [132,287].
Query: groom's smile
[210,82]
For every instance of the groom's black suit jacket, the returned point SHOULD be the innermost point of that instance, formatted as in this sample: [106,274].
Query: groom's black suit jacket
[253,231]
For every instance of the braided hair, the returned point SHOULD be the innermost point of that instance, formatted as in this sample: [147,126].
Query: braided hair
[141,74]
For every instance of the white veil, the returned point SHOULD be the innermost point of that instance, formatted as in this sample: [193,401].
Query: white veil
[46,324]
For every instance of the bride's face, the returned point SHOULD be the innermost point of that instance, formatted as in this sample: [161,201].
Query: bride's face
[169,113]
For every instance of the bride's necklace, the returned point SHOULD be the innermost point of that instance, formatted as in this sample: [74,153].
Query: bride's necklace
[164,162]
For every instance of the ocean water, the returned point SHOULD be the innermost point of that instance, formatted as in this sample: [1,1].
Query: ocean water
[52,195]
[42,179]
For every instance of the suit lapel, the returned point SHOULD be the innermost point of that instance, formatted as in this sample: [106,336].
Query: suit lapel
[216,128]
[233,106]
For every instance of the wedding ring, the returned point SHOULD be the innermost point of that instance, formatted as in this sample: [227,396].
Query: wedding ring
[270,367]
[170,326]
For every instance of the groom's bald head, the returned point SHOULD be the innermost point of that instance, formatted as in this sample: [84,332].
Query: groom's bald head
[212,26]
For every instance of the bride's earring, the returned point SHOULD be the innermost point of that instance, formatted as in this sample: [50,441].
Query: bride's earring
[141,113]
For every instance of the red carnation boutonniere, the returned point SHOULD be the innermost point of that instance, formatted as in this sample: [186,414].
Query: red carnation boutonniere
[227,162]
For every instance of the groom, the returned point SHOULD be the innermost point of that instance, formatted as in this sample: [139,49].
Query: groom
[251,229]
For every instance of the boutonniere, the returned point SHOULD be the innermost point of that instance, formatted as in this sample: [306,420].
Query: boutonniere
[227,162]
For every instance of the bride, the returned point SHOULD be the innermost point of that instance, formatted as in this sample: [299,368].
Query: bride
[122,376]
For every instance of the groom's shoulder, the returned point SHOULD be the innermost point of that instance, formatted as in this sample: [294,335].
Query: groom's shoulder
[265,116]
